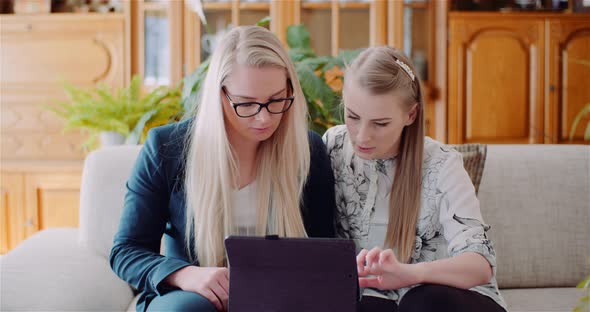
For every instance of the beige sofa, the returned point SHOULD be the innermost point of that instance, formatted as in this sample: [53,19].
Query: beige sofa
[536,197]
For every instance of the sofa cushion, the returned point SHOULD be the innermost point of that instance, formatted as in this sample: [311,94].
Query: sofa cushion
[51,271]
[102,194]
[536,199]
[133,305]
[542,299]
[474,160]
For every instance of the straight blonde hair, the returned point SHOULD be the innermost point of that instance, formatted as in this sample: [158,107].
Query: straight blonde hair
[212,172]
[378,71]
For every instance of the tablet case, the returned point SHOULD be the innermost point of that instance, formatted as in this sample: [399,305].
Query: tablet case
[274,274]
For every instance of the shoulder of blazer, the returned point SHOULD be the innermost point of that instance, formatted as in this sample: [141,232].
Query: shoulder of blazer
[171,149]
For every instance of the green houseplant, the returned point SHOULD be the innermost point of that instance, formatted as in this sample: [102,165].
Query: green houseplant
[321,79]
[126,111]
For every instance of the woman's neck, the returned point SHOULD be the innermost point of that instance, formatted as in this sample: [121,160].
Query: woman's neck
[246,154]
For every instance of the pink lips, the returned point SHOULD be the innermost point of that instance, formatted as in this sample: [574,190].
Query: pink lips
[365,149]
[261,130]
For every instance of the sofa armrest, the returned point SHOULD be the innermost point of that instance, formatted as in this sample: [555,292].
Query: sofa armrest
[51,271]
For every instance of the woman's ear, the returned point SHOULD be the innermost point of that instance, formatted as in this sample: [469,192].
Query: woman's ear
[412,114]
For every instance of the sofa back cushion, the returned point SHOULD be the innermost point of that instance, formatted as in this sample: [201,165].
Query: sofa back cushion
[474,160]
[105,174]
[537,200]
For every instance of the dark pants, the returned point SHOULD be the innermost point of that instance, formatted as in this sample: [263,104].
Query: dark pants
[426,298]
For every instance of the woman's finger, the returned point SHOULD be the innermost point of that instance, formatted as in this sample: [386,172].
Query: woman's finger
[219,291]
[221,294]
[224,281]
[373,256]
[386,257]
[208,293]
[369,282]
[360,261]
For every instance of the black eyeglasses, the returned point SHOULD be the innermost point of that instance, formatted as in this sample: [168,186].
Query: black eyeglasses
[249,109]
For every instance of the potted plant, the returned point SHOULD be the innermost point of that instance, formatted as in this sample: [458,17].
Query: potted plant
[321,78]
[118,116]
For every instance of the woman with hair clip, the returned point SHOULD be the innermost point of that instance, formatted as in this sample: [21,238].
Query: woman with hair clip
[243,163]
[406,200]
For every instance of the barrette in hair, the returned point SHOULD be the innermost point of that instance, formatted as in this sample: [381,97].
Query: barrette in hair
[406,68]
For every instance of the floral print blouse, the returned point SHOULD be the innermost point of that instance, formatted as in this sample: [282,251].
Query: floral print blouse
[449,223]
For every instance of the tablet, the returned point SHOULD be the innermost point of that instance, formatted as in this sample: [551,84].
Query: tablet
[291,274]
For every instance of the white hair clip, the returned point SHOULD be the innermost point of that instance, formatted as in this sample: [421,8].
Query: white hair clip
[406,68]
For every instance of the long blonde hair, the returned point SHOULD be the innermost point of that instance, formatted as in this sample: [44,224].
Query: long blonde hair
[212,167]
[377,70]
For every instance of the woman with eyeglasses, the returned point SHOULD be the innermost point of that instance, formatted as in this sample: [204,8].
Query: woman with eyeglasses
[243,163]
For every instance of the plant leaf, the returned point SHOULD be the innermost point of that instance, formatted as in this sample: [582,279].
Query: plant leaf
[264,22]
[316,63]
[102,109]
[298,37]
[345,57]
[134,88]
[135,134]
[585,283]
[299,55]
[191,90]
[585,110]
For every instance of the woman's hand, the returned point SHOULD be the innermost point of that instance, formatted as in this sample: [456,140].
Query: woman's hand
[210,282]
[381,269]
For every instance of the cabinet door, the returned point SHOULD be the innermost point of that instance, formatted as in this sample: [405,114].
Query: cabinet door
[171,41]
[569,78]
[336,25]
[11,211]
[157,41]
[496,66]
[51,200]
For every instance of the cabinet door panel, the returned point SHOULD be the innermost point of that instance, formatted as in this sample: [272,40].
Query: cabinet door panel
[569,78]
[52,200]
[496,68]
[11,207]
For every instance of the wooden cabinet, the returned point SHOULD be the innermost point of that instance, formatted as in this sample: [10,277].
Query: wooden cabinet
[412,26]
[39,53]
[41,165]
[509,78]
[568,80]
[183,42]
[37,196]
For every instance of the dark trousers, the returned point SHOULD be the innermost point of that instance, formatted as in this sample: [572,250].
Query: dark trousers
[426,298]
